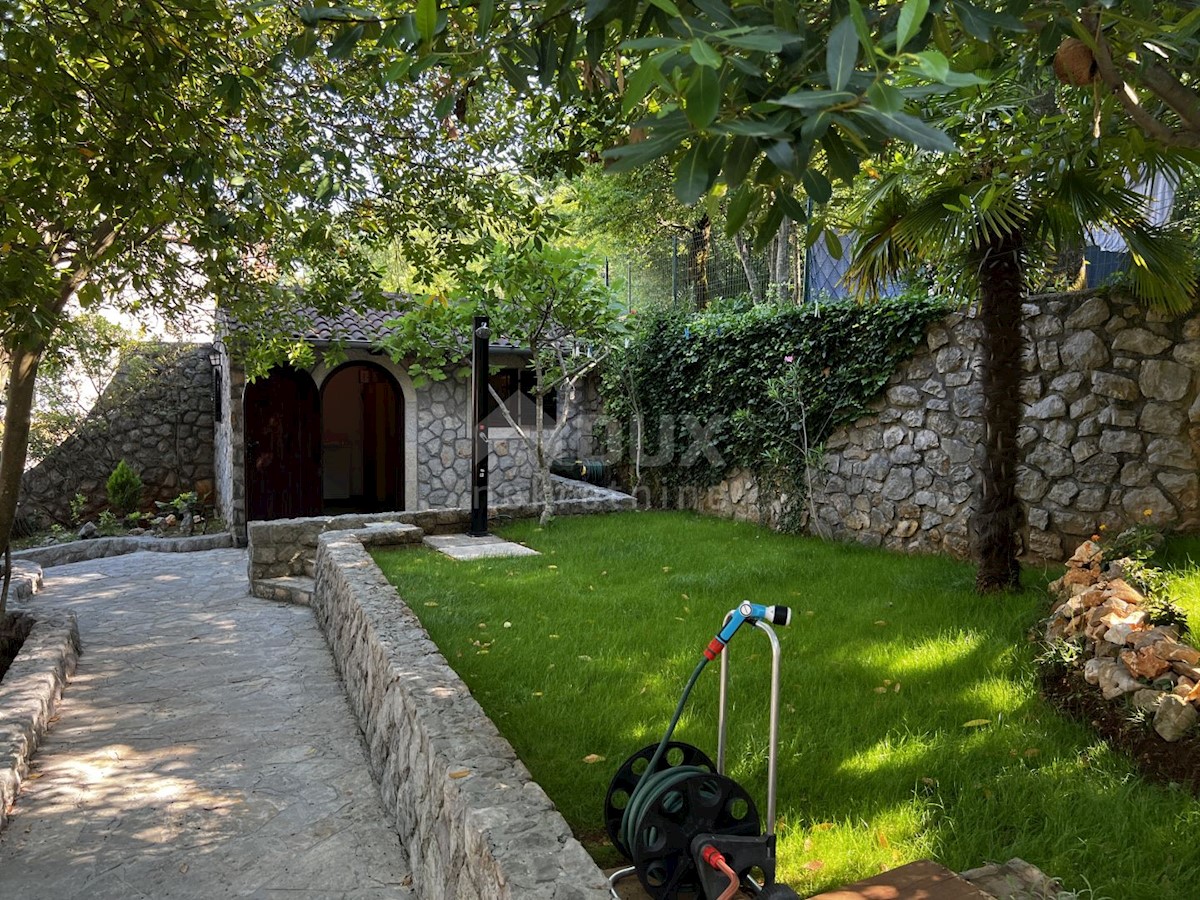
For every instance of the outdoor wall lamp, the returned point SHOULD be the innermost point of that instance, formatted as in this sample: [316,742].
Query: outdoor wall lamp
[214,360]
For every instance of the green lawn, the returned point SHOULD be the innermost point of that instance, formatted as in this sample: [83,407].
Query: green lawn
[1182,556]
[584,650]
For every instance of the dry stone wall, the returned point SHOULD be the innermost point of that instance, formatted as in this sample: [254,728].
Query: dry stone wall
[1111,429]
[156,415]
[476,824]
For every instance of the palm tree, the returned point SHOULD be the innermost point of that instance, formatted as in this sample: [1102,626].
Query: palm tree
[990,221]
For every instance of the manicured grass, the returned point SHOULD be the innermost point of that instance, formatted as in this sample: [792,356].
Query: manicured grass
[584,650]
[1182,557]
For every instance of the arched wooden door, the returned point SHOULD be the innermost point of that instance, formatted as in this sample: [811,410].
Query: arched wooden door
[362,440]
[283,446]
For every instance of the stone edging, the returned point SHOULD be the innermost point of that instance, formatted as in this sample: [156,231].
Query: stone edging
[474,822]
[29,695]
[95,548]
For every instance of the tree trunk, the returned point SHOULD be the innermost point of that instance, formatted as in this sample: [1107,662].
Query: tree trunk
[699,250]
[743,249]
[781,257]
[540,457]
[23,366]
[998,516]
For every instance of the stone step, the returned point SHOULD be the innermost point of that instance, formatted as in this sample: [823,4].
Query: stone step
[296,589]
[310,566]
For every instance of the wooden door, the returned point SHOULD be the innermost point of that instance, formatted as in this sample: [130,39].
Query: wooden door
[283,446]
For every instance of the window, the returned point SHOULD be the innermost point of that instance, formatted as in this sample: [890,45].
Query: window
[518,384]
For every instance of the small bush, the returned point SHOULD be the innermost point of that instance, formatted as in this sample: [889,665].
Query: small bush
[124,489]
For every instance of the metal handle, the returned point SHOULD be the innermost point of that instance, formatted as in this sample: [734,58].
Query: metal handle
[773,738]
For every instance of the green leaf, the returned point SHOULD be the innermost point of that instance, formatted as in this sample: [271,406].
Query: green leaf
[594,8]
[911,130]
[934,64]
[638,85]
[704,55]
[864,32]
[693,175]
[842,162]
[343,45]
[739,209]
[842,53]
[668,7]
[817,186]
[487,10]
[765,39]
[702,99]
[792,208]
[739,158]
[303,44]
[833,244]
[426,19]
[885,98]
[783,155]
[813,99]
[631,156]
[912,14]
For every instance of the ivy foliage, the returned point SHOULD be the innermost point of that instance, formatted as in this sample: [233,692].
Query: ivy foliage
[761,387]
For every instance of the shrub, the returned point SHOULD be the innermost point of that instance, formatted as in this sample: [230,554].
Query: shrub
[124,489]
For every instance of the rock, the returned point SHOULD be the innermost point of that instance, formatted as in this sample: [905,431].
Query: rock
[1122,627]
[1123,590]
[1187,671]
[1139,340]
[1115,386]
[1092,312]
[171,521]
[1086,554]
[1174,718]
[1148,700]
[1093,669]
[1144,663]
[1182,653]
[88,531]
[1162,379]
[1115,681]
[1084,577]
[1084,351]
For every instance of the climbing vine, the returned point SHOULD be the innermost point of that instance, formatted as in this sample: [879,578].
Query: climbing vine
[701,395]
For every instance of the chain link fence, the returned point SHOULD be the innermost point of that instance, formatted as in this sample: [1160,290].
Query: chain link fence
[678,273]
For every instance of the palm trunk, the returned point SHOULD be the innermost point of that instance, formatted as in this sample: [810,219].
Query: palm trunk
[998,515]
[22,375]
[698,253]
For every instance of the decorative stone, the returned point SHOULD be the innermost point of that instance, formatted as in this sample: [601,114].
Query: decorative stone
[1092,312]
[1159,418]
[1050,407]
[1188,354]
[88,531]
[1144,663]
[1170,452]
[1163,379]
[1135,474]
[1113,441]
[1053,461]
[1109,385]
[1139,340]
[1175,718]
[1083,350]
[1116,681]
[1147,700]
[1060,432]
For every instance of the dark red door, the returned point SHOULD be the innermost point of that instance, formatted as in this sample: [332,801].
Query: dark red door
[283,446]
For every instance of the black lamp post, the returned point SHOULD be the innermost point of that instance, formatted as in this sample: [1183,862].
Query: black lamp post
[214,360]
[479,450]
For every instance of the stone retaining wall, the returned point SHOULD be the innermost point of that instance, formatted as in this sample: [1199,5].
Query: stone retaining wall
[29,695]
[1111,428]
[475,824]
[283,547]
[95,548]
[157,415]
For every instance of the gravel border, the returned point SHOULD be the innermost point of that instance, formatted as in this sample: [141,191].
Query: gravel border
[29,695]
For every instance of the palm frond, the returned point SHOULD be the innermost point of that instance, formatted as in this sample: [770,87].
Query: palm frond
[1163,270]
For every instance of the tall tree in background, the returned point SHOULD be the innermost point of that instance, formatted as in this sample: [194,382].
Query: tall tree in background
[1028,183]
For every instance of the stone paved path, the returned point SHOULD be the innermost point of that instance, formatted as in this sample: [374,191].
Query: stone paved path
[205,749]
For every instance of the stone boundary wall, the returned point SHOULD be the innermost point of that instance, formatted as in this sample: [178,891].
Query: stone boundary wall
[95,548]
[159,420]
[475,824]
[29,696]
[283,547]
[1111,403]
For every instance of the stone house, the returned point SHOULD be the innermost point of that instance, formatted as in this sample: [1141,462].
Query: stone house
[360,436]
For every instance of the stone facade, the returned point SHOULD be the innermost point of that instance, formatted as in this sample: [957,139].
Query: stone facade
[157,415]
[477,826]
[1111,428]
[437,453]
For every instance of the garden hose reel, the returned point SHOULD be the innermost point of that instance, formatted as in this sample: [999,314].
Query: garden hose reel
[690,830]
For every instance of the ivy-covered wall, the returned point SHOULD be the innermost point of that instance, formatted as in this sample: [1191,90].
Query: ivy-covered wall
[700,398]
[1111,431]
